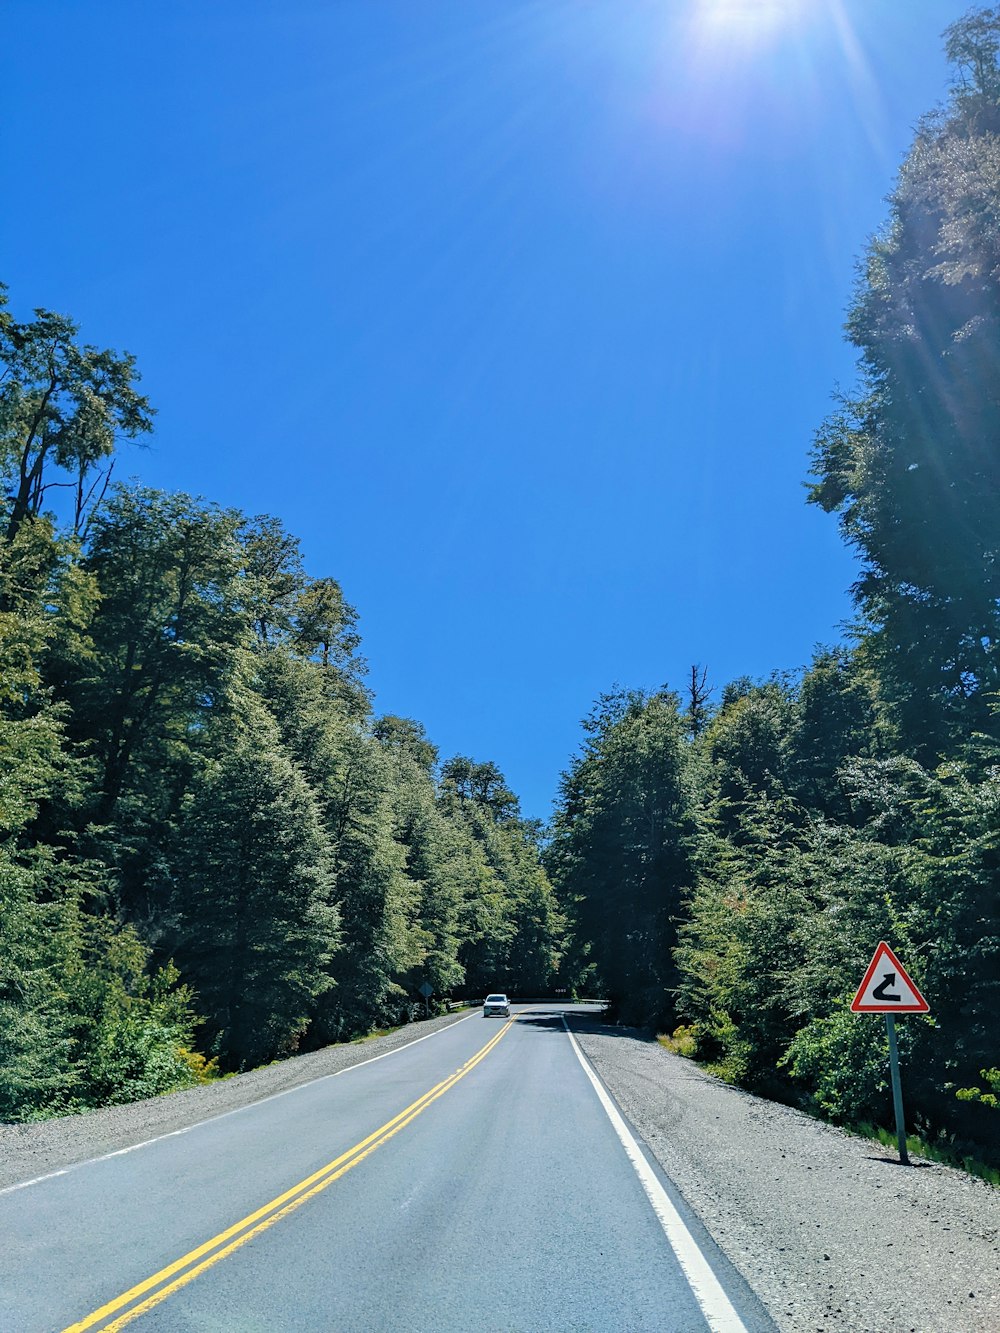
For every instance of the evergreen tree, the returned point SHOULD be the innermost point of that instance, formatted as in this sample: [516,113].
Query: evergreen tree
[912,463]
[748,745]
[351,779]
[164,646]
[837,716]
[437,861]
[256,924]
[622,846]
[511,925]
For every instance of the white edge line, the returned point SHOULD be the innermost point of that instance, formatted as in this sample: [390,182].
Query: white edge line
[173,1133]
[716,1306]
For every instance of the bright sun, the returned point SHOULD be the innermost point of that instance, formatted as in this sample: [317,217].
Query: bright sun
[755,15]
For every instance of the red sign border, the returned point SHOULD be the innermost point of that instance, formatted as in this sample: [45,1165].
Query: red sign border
[883,951]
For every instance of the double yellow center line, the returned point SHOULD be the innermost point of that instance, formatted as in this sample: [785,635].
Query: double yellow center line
[145,1295]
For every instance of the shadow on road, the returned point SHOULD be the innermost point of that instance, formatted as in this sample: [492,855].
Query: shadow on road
[550,1018]
[546,1020]
[592,1023]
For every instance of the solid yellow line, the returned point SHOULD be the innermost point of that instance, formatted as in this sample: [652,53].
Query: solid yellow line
[272,1212]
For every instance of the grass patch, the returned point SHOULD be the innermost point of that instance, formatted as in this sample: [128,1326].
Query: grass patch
[682,1041]
[944,1153]
[370,1036]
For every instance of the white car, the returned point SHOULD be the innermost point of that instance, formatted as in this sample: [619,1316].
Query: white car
[496,1004]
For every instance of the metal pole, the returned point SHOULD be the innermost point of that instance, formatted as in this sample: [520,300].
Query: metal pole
[897,1091]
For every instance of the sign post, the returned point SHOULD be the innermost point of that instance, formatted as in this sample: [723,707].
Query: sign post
[897,1090]
[887,989]
[426,991]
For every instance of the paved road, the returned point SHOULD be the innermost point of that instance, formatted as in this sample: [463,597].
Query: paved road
[474,1180]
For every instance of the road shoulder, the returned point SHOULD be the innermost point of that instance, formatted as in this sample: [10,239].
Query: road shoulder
[829,1231]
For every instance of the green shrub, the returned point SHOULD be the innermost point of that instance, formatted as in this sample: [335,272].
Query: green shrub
[202,1069]
[136,1056]
[990,1098]
[843,1064]
[682,1041]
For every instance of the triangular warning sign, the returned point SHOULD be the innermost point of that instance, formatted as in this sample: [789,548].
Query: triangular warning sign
[886,988]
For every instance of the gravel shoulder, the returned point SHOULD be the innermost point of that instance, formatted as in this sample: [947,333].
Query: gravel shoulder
[830,1231]
[28,1151]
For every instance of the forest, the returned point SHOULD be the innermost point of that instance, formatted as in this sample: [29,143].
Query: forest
[730,859]
[212,852]
[215,853]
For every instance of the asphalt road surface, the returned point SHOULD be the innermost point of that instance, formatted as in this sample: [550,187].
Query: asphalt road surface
[479,1179]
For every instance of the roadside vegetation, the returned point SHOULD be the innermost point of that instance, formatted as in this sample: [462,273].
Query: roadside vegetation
[729,859]
[212,852]
[943,1149]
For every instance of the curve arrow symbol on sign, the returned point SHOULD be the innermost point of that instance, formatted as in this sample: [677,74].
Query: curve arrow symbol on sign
[880,991]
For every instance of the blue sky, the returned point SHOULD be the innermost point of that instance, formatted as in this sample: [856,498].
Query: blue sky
[520,315]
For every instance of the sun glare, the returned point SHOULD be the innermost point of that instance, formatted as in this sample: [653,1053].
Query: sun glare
[753,18]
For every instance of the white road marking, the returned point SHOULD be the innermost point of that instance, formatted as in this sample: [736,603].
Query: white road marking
[716,1306]
[173,1133]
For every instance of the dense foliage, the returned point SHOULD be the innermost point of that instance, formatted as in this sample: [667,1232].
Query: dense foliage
[211,852]
[729,871]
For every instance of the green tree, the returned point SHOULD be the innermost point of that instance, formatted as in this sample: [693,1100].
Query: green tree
[910,463]
[165,642]
[326,631]
[62,409]
[256,923]
[511,926]
[473,783]
[379,904]
[274,577]
[350,776]
[437,861]
[748,745]
[622,845]
[407,738]
[837,716]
